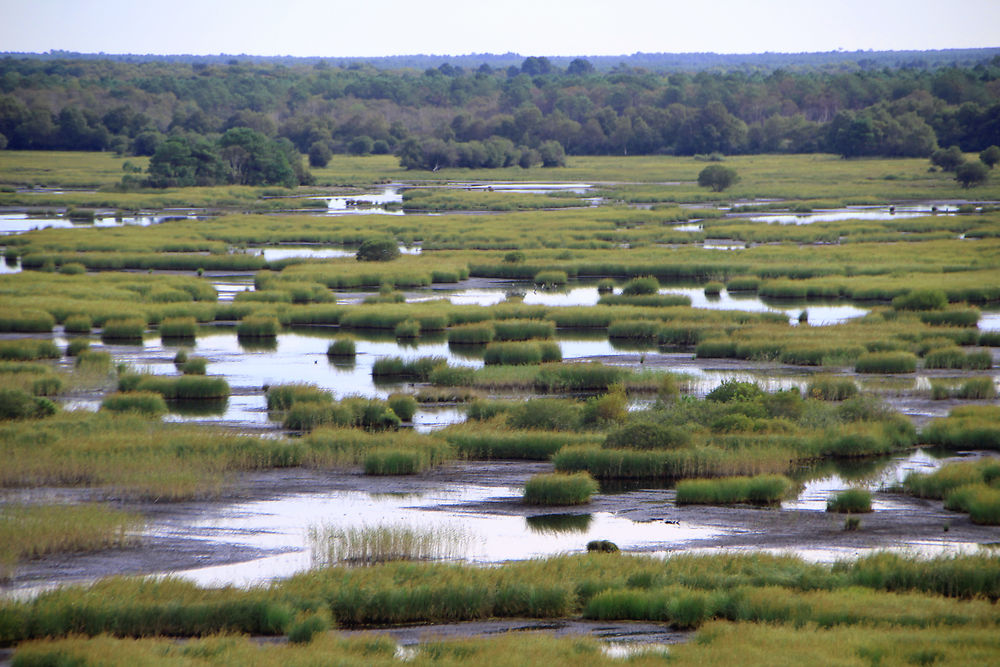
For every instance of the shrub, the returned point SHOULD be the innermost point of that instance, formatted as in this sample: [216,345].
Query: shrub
[77,324]
[147,403]
[258,326]
[642,285]
[645,434]
[717,177]
[602,546]
[19,404]
[850,501]
[559,489]
[341,347]
[378,250]
[734,390]
[886,362]
[404,405]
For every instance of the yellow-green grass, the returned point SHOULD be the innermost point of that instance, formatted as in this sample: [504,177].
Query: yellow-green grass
[966,427]
[559,489]
[31,531]
[850,501]
[63,168]
[366,545]
[453,199]
[148,403]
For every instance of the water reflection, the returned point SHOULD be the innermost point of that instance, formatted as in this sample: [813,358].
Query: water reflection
[854,213]
[17,223]
[559,523]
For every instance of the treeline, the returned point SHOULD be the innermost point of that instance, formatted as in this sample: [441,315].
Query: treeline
[484,116]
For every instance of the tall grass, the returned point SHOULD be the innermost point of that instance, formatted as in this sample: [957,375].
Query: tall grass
[760,490]
[130,329]
[28,349]
[26,321]
[486,444]
[471,334]
[367,545]
[258,326]
[178,327]
[186,387]
[522,329]
[398,368]
[850,501]
[559,489]
[886,362]
[148,403]
[521,353]
[342,348]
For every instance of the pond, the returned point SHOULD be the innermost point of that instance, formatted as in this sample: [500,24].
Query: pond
[17,223]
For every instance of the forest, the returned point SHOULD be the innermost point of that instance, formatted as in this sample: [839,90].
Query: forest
[483,116]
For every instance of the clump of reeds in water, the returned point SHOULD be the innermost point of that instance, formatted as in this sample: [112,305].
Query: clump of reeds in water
[341,348]
[560,489]
[178,327]
[518,353]
[130,329]
[26,321]
[832,389]
[368,545]
[759,490]
[77,324]
[28,349]
[551,278]
[148,403]
[850,501]
[886,362]
[258,326]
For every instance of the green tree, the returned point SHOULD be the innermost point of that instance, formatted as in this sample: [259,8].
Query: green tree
[378,250]
[552,154]
[319,154]
[971,174]
[717,177]
[949,158]
[991,156]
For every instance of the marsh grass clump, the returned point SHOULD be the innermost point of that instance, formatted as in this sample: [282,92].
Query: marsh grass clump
[404,405]
[194,366]
[886,362]
[146,403]
[953,317]
[713,288]
[96,361]
[407,329]
[636,330]
[369,545]
[475,333]
[185,387]
[19,404]
[523,329]
[483,444]
[551,278]
[759,490]
[258,326]
[981,388]
[521,353]
[396,461]
[966,427]
[560,489]
[418,370]
[342,348]
[178,327]
[78,324]
[640,286]
[28,349]
[832,389]
[850,501]
[308,625]
[949,477]
[26,321]
[129,329]
[921,299]
[282,396]
[605,286]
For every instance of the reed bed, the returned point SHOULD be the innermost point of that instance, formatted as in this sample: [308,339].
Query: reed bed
[396,462]
[178,327]
[368,414]
[471,334]
[78,324]
[147,403]
[26,321]
[760,490]
[342,348]
[185,387]
[487,444]
[968,427]
[522,329]
[258,326]
[419,370]
[31,531]
[560,489]
[28,349]
[521,353]
[194,366]
[130,329]
[404,405]
[19,404]
[886,362]
[368,545]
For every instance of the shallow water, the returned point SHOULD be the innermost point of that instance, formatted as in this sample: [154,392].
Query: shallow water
[853,213]
[16,223]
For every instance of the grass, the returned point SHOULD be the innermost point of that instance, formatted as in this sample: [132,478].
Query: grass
[178,327]
[396,462]
[760,490]
[147,403]
[367,545]
[282,396]
[394,368]
[258,326]
[130,329]
[832,389]
[342,348]
[487,444]
[78,324]
[471,334]
[186,387]
[194,366]
[26,321]
[560,489]
[521,353]
[19,404]
[886,362]
[522,329]
[404,405]
[28,349]
[32,531]
[850,501]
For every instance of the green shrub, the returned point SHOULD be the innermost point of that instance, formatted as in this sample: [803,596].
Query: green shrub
[19,404]
[378,250]
[850,501]
[734,390]
[145,403]
[77,324]
[404,405]
[886,362]
[341,347]
[559,489]
[643,434]
[641,285]
[832,389]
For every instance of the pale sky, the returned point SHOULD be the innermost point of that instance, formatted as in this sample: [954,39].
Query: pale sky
[366,28]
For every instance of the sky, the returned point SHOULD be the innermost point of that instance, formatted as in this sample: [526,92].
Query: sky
[366,28]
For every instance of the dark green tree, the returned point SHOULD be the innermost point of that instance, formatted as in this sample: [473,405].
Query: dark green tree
[991,156]
[319,154]
[717,177]
[971,174]
[552,154]
[378,250]
[949,158]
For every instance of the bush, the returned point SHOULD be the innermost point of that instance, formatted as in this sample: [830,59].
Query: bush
[642,285]
[981,388]
[886,362]
[147,403]
[19,404]
[647,435]
[605,286]
[560,489]
[306,626]
[850,501]
[733,390]
[717,177]
[378,250]
[946,357]
[404,405]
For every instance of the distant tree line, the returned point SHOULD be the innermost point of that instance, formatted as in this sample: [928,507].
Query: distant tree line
[482,116]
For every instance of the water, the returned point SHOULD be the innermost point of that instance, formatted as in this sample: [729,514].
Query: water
[365,204]
[17,223]
[539,188]
[853,213]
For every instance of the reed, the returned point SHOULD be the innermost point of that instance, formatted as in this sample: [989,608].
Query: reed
[760,490]
[130,329]
[471,334]
[560,489]
[551,278]
[969,428]
[404,405]
[636,330]
[19,404]
[395,462]
[521,353]
[977,389]
[416,370]
[832,389]
[641,285]
[28,349]
[178,327]
[407,329]
[258,326]
[194,366]
[522,329]
[147,403]
[484,444]
[645,300]
[77,324]
[713,288]
[949,477]
[368,545]
[850,501]
[886,362]
[185,387]
[26,321]
[342,348]
[954,317]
